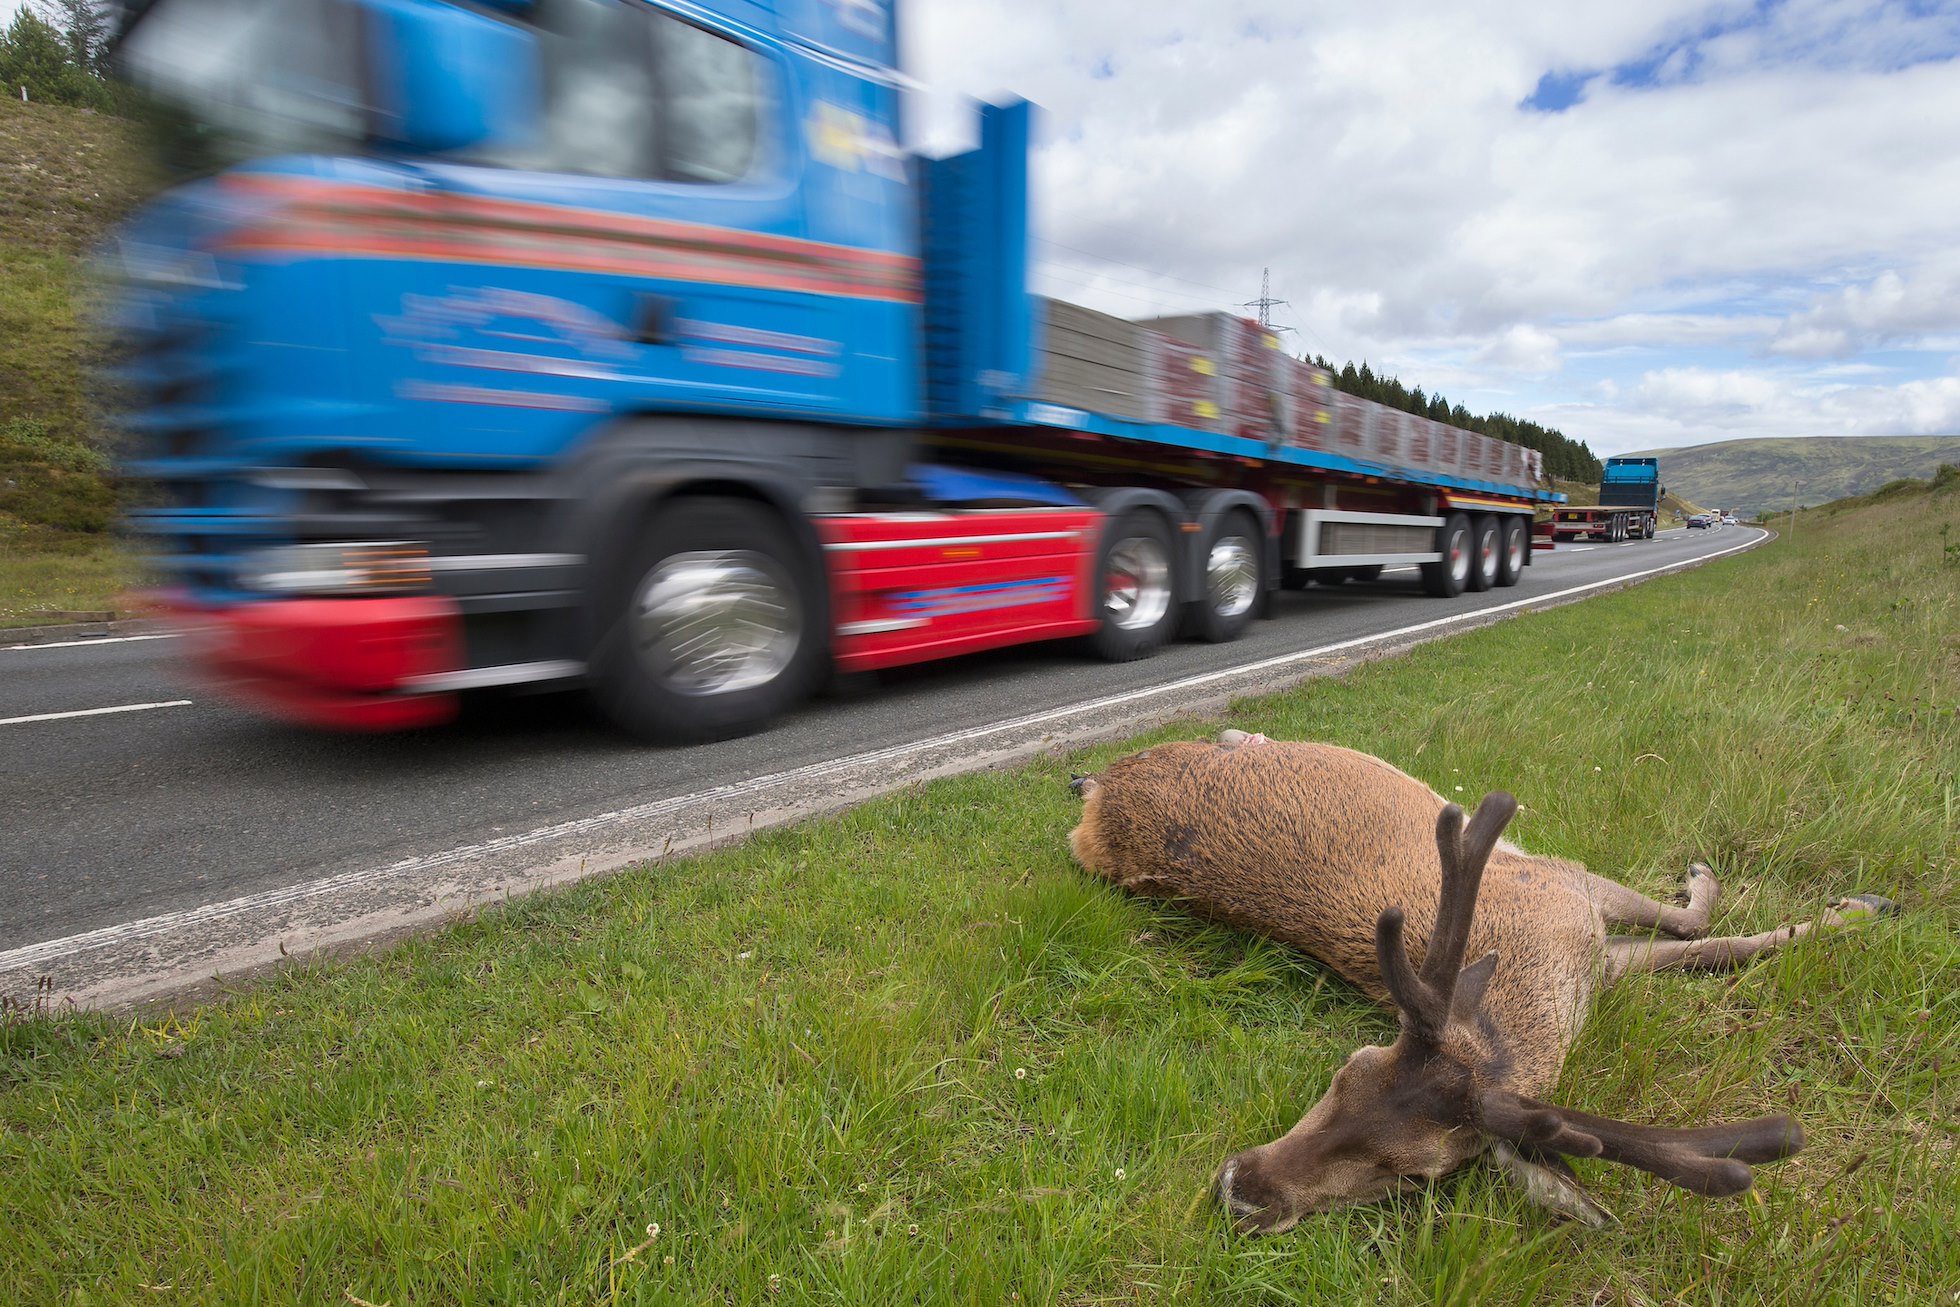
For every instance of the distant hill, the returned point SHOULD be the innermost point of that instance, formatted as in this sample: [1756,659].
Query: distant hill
[1753,476]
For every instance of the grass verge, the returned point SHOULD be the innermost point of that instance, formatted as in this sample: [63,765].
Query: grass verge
[912,1054]
[46,576]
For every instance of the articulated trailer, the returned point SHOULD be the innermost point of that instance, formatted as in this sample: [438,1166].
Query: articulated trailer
[452,376]
[1629,505]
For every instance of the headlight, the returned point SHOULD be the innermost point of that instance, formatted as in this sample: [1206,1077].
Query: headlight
[366,567]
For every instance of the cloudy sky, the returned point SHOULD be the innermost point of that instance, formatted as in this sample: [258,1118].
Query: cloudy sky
[1652,224]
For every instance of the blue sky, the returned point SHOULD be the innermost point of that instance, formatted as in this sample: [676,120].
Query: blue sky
[1650,225]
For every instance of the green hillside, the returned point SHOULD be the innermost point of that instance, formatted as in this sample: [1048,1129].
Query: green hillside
[1748,477]
[65,175]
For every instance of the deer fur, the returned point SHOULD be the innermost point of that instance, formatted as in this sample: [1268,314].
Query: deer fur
[1362,866]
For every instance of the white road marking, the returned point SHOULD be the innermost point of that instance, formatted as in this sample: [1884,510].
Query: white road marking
[76,644]
[92,712]
[202,918]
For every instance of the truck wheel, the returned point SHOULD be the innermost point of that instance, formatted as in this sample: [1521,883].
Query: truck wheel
[1234,578]
[1513,549]
[1134,587]
[1447,576]
[1647,529]
[713,625]
[1484,553]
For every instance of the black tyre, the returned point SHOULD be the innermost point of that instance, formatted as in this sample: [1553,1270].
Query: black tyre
[1647,529]
[1485,551]
[712,627]
[1514,547]
[1235,577]
[1136,586]
[1447,576]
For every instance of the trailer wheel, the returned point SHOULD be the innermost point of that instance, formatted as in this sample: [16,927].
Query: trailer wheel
[712,628]
[1484,552]
[1647,529]
[1514,550]
[1234,578]
[1447,576]
[1135,585]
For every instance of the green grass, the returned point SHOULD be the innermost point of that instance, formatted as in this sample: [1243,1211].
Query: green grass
[912,1054]
[46,576]
[66,175]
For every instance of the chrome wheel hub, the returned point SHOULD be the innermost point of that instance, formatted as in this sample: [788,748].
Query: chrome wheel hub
[715,622]
[1137,583]
[1232,575]
[1459,555]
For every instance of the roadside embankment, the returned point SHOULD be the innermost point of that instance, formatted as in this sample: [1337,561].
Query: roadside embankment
[913,1054]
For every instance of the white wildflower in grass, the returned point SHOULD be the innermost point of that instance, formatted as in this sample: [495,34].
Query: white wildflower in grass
[1119,1173]
[1459,789]
[1020,1073]
[653,1229]
[911,1229]
[775,1283]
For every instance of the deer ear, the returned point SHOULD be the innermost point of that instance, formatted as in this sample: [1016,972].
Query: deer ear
[1548,1181]
[1470,985]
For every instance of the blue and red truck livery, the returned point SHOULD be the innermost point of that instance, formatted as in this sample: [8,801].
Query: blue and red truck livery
[620,344]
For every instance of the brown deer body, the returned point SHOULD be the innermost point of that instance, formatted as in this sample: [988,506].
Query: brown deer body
[1360,865]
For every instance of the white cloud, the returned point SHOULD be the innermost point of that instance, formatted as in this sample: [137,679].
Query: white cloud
[1520,348]
[1782,192]
[1884,311]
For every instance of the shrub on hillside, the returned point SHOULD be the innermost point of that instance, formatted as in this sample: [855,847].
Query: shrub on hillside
[53,483]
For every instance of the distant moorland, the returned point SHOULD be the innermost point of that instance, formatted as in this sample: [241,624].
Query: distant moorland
[1748,477]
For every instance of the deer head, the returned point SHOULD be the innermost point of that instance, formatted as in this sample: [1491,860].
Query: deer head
[1399,1116]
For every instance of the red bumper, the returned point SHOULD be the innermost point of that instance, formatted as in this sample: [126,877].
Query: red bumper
[339,664]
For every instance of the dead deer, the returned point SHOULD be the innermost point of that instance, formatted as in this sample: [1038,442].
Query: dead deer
[1360,865]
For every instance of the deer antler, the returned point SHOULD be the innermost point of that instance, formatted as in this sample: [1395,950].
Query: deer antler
[1444,987]
[1713,1161]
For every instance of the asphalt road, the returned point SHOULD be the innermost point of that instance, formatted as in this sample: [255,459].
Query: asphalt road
[163,811]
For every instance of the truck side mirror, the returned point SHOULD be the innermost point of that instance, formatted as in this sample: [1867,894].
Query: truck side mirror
[446,78]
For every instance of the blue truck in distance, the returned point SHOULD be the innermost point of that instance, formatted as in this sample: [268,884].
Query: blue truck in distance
[620,344]
[1629,505]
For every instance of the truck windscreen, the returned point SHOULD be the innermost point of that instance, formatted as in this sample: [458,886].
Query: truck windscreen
[243,79]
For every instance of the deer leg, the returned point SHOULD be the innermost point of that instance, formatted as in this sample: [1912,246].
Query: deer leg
[1624,907]
[1626,954]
